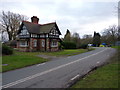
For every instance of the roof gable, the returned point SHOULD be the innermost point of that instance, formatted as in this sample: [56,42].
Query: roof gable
[55,29]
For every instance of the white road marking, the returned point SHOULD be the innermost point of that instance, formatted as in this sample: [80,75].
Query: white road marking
[47,71]
[40,64]
[75,77]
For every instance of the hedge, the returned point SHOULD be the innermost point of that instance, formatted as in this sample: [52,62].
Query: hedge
[68,45]
[6,50]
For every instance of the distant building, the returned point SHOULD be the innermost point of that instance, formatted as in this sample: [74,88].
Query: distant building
[38,37]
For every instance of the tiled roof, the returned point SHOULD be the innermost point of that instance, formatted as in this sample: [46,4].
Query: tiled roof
[39,28]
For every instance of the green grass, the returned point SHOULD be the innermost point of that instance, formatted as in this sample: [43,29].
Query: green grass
[104,77]
[68,52]
[22,59]
[117,47]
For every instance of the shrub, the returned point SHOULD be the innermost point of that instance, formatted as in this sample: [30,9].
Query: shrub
[12,43]
[6,50]
[68,45]
[84,46]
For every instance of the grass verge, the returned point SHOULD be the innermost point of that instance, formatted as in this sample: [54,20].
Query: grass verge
[104,77]
[69,52]
[22,59]
[19,60]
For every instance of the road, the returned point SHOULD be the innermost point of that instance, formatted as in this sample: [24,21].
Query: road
[57,73]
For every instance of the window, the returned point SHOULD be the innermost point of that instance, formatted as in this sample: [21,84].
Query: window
[54,44]
[42,36]
[23,43]
[35,43]
[46,35]
[43,43]
[34,35]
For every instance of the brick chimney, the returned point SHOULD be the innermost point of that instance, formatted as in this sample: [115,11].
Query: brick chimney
[34,19]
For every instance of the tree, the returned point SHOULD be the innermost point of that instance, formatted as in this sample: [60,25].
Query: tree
[87,39]
[67,36]
[10,22]
[96,39]
[76,39]
[110,35]
[68,45]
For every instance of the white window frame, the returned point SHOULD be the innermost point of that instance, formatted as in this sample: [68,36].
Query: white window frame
[42,36]
[34,43]
[34,35]
[54,44]
[23,45]
[43,43]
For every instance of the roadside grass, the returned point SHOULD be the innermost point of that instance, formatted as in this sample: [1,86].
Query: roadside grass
[117,47]
[22,59]
[68,52]
[105,77]
[19,60]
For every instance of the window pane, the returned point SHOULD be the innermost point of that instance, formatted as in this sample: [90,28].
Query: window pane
[43,43]
[35,43]
[23,43]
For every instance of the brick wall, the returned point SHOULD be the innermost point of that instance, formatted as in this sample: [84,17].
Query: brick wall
[39,45]
[24,49]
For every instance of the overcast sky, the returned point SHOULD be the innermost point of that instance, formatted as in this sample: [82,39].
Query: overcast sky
[82,16]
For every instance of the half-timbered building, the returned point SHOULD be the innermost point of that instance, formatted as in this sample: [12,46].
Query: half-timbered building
[38,37]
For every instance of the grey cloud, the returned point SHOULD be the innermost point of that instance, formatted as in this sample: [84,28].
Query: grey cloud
[94,11]
[66,14]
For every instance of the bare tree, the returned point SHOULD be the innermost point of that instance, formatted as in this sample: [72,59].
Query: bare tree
[86,39]
[10,23]
[110,35]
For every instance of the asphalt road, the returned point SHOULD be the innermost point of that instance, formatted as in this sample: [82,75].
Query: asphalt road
[57,73]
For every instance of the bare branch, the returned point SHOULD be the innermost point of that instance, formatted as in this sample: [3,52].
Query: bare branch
[10,22]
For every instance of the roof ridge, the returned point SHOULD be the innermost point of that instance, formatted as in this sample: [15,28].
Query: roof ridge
[31,22]
[39,24]
[48,23]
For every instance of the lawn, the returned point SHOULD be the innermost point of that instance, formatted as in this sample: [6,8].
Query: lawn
[22,59]
[68,52]
[19,60]
[104,77]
